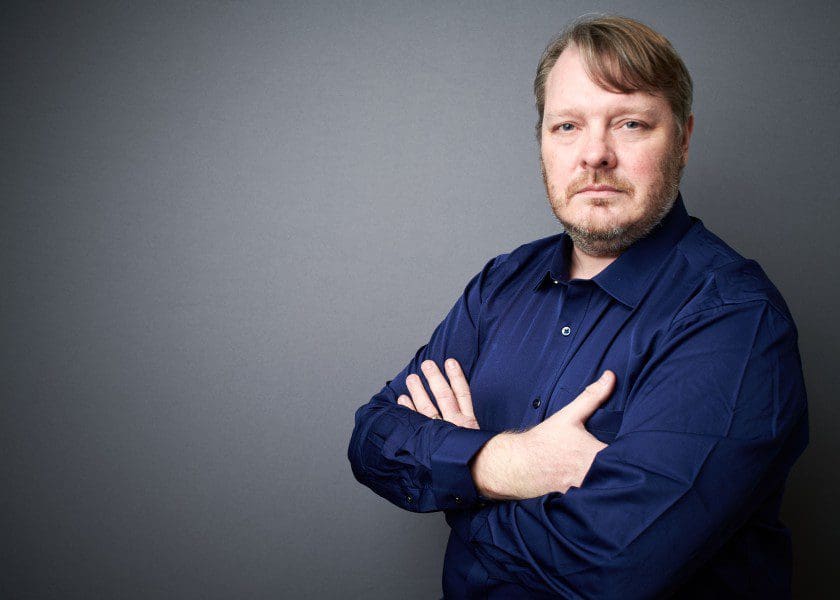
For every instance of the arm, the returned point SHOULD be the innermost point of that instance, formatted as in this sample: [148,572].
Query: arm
[418,463]
[550,457]
[712,426]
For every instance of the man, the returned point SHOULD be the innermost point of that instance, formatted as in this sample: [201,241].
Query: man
[622,402]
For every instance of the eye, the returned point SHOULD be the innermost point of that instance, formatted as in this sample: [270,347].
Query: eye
[633,125]
[564,127]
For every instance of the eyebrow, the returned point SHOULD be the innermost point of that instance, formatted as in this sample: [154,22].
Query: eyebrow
[626,109]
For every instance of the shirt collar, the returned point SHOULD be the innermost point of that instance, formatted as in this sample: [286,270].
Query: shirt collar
[626,277]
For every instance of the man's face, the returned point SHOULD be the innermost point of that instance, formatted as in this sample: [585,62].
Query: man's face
[611,162]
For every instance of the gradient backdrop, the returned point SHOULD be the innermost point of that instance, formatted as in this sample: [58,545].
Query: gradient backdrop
[223,226]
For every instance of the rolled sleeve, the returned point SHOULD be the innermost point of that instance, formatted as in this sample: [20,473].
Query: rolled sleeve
[452,480]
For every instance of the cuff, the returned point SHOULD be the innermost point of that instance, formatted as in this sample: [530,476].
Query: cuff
[452,482]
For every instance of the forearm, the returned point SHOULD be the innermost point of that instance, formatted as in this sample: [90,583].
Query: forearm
[518,466]
[495,467]
[506,468]
[417,463]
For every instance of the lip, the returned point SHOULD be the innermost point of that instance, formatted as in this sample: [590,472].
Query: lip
[598,188]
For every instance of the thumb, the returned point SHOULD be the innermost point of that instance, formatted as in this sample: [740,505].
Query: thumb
[582,407]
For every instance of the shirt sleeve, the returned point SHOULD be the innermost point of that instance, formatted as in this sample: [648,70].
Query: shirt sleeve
[711,428]
[418,463]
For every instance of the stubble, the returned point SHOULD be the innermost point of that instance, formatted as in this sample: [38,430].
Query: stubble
[615,240]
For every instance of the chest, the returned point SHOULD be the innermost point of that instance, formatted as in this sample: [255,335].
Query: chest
[538,351]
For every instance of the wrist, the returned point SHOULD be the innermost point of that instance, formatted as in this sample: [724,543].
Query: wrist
[495,465]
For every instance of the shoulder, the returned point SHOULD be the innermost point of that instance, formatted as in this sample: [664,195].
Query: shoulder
[722,279]
[521,265]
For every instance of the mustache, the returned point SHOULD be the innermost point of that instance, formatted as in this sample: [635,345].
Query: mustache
[599,178]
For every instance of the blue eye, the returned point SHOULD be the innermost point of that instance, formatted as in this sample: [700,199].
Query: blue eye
[566,127]
[633,125]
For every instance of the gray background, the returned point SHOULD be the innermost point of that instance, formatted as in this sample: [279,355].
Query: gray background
[224,225]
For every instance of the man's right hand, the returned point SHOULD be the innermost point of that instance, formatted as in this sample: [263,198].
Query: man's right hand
[550,457]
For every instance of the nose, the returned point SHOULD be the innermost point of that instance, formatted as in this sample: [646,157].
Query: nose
[597,151]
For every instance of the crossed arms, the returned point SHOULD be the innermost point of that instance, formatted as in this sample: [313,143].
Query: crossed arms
[551,457]
[654,505]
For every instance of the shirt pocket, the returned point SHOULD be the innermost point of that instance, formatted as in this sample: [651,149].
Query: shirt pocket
[604,424]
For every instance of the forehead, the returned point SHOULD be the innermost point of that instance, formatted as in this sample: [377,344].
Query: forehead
[569,88]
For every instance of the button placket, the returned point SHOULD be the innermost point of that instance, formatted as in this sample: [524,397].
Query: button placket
[573,314]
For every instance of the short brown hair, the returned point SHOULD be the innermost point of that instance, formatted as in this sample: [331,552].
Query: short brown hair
[621,55]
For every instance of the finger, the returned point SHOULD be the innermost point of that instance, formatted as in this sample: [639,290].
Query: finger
[440,388]
[421,400]
[406,401]
[460,387]
[582,407]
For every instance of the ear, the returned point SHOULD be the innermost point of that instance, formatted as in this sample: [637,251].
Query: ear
[688,129]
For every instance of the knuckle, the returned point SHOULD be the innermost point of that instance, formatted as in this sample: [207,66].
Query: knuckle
[445,395]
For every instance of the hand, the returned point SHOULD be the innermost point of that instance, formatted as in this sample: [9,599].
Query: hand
[550,457]
[455,402]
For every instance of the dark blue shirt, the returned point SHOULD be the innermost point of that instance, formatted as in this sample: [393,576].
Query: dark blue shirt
[707,417]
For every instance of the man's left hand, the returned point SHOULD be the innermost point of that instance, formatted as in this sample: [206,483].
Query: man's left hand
[453,397]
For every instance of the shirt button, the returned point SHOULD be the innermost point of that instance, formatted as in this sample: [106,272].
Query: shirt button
[536,403]
[409,498]
[566,330]
[458,500]
[555,281]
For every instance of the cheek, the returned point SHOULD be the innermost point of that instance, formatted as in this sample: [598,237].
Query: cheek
[560,170]
[555,171]
[559,156]
[644,163]
[642,171]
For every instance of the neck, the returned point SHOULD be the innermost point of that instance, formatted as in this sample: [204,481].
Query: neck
[584,266]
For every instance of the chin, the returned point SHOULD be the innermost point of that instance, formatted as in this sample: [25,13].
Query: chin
[602,219]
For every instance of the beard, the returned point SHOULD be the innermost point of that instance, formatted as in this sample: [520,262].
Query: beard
[612,241]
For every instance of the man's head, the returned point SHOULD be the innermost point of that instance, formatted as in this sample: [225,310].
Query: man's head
[614,104]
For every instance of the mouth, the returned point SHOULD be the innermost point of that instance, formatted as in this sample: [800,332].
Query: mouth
[599,190]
